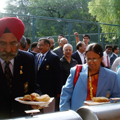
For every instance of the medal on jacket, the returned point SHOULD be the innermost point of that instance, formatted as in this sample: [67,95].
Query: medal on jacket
[25,87]
[21,67]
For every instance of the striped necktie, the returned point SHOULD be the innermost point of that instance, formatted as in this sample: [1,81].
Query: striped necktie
[8,76]
[40,61]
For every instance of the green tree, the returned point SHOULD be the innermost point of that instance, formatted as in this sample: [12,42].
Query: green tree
[20,7]
[106,11]
[68,9]
[62,9]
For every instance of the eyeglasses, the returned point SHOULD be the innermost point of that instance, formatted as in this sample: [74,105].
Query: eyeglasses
[40,45]
[4,44]
[94,59]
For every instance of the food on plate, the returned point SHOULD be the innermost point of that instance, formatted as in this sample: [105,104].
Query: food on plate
[27,98]
[34,95]
[100,99]
[43,98]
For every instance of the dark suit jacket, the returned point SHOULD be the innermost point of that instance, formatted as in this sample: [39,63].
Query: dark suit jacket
[76,56]
[22,84]
[112,58]
[59,52]
[34,53]
[49,76]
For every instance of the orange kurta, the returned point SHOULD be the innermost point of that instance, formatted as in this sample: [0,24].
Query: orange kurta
[94,81]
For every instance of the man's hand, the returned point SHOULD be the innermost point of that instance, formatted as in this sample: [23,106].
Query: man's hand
[75,33]
[77,37]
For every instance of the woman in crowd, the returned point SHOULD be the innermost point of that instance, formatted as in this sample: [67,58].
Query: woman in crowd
[94,81]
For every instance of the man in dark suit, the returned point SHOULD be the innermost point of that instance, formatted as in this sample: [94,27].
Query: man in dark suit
[59,51]
[25,45]
[79,53]
[34,47]
[17,69]
[49,72]
[115,51]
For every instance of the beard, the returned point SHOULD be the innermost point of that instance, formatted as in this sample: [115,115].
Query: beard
[8,56]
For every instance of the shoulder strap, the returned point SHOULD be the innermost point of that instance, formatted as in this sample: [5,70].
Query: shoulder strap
[78,70]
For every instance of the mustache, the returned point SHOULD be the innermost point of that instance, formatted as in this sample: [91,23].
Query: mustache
[8,54]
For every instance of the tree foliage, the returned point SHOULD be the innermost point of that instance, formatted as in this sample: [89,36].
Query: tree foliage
[106,11]
[63,9]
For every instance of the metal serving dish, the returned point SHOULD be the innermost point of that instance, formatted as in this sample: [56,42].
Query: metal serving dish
[63,115]
[109,111]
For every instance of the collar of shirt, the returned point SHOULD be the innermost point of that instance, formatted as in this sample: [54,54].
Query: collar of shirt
[105,53]
[40,55]
[115,54]
[80,53]
[10,65]
[11,61]
[64,59]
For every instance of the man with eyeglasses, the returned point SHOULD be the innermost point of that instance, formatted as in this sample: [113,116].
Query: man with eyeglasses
[17,69]
[49,72]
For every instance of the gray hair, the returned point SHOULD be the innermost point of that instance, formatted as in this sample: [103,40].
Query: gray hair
[67,45]
[23,42]
[49,38]
[63,39]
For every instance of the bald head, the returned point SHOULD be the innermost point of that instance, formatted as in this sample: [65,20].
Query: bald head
[63,41]
[67,50]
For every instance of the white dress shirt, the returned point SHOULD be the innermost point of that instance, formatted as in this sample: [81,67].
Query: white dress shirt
[82,56]
[105,59]
[10,65]
[40,55]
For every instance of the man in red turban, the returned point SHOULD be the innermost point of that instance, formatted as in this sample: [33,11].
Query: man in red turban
[14,25]
[17,69]
[11,31]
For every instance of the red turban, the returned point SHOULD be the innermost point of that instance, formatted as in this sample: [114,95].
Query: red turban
[14,25]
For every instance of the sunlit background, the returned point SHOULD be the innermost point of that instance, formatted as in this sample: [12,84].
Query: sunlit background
[2,5]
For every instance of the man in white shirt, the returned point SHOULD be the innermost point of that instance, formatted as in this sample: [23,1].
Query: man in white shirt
[79,53]
[106,59]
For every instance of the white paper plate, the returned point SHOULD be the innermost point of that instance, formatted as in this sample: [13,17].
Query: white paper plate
[94,103]
[34,102]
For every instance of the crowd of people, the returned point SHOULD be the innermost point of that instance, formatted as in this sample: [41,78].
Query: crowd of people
[47,70]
